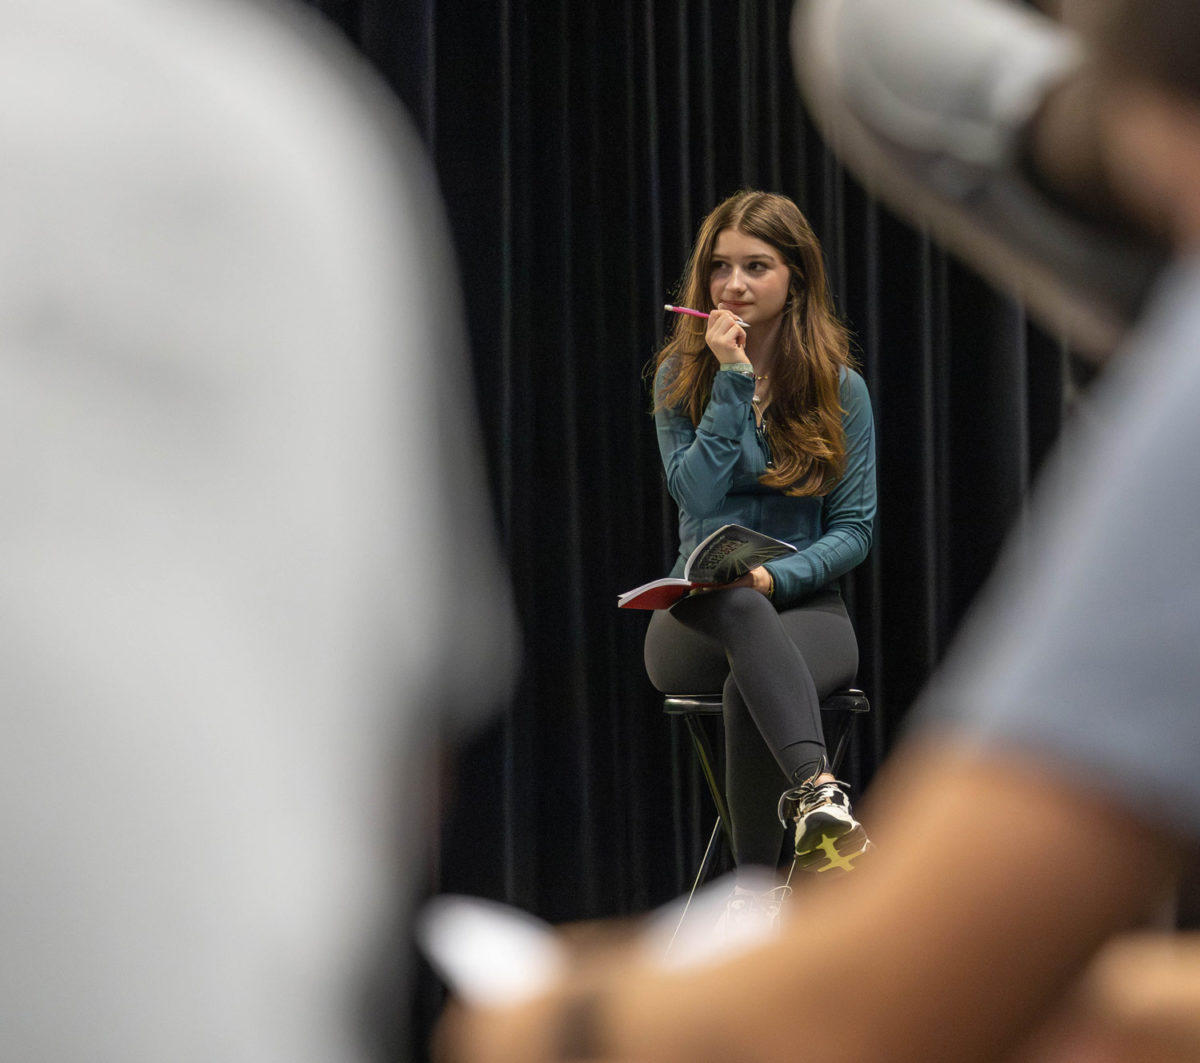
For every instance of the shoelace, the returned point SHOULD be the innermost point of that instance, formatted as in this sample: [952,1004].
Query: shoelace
[795,802]
[777,896]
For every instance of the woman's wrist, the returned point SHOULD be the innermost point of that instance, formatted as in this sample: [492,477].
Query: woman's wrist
[745,368]
[763,581]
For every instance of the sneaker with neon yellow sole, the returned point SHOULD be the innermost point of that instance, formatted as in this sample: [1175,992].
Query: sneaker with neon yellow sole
[828,837]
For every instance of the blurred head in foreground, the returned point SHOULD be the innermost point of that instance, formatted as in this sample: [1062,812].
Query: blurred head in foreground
[229,521]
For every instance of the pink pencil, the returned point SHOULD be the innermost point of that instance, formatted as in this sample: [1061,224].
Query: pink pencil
[694,313]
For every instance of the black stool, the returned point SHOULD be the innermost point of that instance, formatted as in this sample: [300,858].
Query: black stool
[838,714]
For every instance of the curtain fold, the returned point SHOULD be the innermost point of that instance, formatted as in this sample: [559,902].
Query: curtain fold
[578,148]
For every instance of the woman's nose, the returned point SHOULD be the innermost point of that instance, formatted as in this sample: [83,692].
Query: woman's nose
[735,279]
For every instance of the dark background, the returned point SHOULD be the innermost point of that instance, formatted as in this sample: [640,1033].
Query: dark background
[578,147]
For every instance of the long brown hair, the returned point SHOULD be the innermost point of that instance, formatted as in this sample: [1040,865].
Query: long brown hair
[808,443]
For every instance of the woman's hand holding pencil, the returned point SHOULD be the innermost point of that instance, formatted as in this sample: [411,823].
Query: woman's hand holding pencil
[694,313]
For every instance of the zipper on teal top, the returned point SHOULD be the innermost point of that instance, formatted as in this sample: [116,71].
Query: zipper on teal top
[761,436]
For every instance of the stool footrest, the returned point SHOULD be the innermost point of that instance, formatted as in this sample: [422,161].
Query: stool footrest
[849,700]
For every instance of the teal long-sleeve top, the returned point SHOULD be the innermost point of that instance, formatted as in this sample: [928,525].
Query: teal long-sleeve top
[713,472]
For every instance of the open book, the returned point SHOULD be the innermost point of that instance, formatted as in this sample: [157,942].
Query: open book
[731,551]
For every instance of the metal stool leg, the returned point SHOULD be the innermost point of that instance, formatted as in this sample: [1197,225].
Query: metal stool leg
[708,761]
[702,871]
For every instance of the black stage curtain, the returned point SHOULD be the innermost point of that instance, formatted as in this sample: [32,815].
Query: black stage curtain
[578,147]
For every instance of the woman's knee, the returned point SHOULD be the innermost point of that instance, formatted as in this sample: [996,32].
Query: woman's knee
[679,659]
[719,610]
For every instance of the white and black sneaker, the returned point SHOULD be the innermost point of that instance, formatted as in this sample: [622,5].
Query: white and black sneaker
[752,913]
[828,837]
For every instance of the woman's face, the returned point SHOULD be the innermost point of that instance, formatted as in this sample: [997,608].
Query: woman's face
[749,277]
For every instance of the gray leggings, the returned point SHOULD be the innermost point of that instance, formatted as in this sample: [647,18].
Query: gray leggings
[773,668]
